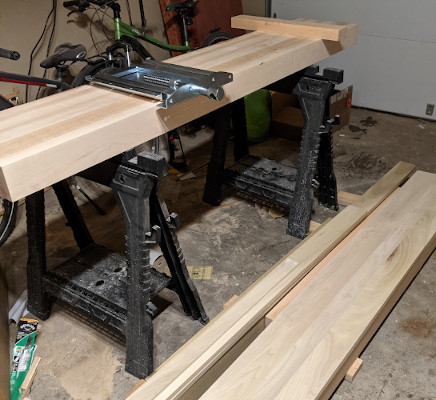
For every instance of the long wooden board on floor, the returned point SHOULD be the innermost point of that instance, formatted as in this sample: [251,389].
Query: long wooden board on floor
[309,345]
[283,303]
[55,137]
[184,368]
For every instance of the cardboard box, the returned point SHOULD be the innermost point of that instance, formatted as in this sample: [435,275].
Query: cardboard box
[287,118]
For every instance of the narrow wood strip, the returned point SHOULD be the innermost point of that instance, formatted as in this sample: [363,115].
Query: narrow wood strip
[228,303]
[354,369]
[313,29]
[346,198]
[188,364]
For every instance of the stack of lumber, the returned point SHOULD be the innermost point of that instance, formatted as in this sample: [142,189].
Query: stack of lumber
[58,136]
[364,259]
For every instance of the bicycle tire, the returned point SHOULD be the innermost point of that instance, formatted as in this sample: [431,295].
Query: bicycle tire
[215,37]
[8,219]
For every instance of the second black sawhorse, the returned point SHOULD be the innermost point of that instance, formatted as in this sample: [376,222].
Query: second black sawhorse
[288,187]
[114,288]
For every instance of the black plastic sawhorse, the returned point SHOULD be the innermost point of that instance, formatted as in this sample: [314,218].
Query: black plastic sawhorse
[111,287]
[316,154]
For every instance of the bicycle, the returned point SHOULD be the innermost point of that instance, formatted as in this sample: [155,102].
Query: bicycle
[62,58]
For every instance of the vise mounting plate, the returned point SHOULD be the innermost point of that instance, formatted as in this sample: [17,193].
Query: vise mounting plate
[171,84]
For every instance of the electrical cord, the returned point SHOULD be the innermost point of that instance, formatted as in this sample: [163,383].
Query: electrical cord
[32,53]
[50,41]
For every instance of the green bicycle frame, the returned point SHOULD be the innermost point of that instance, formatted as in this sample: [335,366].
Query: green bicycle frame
[123,29]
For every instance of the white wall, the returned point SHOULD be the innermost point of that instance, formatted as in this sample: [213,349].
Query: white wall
[392,67]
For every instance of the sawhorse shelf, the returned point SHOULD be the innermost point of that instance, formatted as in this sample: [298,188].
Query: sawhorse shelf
[114,288]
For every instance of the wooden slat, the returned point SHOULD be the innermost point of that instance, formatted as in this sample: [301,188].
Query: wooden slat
[283,303]
[354,369]
[335,31]
[55,137]
[4,340]
[346,198]
[307,346]
[190,363]
[30,377]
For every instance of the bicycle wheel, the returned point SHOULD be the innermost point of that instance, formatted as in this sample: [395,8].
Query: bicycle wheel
[8,218]
[215,37]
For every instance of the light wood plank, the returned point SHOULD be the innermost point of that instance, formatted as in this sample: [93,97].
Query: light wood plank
[335,31]
[191,362]
[58,136]
[4,340]
[354,369]
[305,347]
[30,377]
[346,198]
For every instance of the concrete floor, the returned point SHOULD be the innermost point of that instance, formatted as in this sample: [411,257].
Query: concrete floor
[82,360]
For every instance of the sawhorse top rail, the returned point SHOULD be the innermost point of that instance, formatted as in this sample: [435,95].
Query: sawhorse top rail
[58,136]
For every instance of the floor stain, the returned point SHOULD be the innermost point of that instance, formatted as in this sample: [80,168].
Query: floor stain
[355,128]
[418,327]
[369,121]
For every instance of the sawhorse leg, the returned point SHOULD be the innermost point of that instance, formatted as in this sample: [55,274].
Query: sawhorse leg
[147,221]
[39,302]
[313,93]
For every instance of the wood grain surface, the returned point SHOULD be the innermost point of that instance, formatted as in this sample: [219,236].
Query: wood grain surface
[58,136]
[300,353]
[184,368]
[310,28]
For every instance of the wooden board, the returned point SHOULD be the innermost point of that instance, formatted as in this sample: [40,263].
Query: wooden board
[4,340]
[310,343]
[58,136]
[346,198]
[326,30]
[354,369]
[30,377]
[286,300]
[184,368]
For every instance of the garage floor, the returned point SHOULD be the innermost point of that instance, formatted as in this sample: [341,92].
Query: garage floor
[239,241]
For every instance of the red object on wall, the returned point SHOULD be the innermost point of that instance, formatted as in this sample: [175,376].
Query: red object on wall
[210,15]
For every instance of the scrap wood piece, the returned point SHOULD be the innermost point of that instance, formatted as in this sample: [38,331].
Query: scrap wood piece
[354,369]
[337,313]
[186,367]
[28,380]
[325,30]
[282,304]
[346,198]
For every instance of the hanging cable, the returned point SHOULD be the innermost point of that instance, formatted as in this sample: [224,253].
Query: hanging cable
[32,53]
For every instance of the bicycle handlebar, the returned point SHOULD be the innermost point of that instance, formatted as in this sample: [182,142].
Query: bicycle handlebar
[12,55]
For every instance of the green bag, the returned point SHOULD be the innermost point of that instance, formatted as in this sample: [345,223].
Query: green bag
[258,115]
